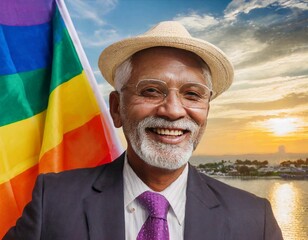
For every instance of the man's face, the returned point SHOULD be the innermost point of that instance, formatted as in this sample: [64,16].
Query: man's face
[162,134]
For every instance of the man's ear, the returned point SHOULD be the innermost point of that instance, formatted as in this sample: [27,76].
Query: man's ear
[114,104]
[208,110]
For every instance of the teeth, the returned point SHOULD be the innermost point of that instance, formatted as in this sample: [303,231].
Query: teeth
[162,131]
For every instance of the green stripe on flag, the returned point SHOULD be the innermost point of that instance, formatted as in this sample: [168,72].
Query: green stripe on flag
[23,95]
[66,64]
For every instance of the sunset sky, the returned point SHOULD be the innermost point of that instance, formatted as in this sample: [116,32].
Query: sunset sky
[266,40]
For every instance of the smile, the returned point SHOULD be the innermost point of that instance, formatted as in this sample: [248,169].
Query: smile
[168,132]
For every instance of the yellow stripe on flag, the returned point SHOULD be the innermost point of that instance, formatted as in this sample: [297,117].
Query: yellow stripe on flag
[20,144]
[71,105]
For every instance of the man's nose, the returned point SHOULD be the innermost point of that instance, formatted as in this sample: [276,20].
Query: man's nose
[172,107]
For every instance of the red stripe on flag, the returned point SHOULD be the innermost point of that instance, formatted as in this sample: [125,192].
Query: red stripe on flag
[84,146]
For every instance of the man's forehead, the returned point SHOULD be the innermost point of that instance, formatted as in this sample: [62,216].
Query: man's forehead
[167,63]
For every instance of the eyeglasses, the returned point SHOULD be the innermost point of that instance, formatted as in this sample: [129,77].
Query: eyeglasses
[191,95]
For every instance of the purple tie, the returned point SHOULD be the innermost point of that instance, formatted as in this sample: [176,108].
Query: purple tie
[155,227]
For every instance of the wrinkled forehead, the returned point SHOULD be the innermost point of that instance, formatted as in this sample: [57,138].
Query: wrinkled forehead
[167,63]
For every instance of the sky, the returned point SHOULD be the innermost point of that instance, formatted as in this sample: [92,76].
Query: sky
[267,42]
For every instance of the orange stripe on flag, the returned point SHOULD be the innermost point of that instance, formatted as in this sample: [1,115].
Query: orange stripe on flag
[80,147]
[15,194]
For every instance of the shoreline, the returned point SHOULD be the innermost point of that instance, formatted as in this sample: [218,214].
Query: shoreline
[257,177]
[247,177]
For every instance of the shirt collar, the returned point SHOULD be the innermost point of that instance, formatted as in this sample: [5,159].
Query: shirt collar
[175,193]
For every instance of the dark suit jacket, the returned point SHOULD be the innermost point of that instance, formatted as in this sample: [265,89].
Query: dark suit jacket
[88,204]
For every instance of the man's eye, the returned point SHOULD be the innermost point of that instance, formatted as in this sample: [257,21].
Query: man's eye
[151,92]
[192,95]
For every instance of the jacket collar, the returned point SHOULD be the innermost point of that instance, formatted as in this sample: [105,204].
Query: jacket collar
[104,207]
[204,216]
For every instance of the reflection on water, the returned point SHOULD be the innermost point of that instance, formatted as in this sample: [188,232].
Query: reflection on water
[285,201]
[289,209]
[289,200]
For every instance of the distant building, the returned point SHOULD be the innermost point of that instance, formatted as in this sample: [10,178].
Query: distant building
[267,169]
[282,149]
[290,169]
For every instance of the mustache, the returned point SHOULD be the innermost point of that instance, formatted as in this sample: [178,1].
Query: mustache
[157,122]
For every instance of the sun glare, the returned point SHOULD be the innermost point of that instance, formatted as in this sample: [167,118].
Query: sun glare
[282,126]
[284,197]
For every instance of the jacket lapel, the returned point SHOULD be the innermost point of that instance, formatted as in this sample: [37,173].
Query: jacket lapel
[104,209]
[204,218]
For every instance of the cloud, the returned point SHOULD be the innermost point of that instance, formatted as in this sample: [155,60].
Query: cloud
[280,96]
[196,22]
[254,38]
[288,101]
[262,98]
[267,89]
[292,65]
[105,89]
[286,39]
[89,16]
[252,42]
[236,7]
[85,10]
[100,38]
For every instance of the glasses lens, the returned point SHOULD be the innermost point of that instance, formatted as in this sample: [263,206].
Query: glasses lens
[152,90]
[191,95]
[195,95]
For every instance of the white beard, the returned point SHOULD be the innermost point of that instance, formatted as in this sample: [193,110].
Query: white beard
[157,154]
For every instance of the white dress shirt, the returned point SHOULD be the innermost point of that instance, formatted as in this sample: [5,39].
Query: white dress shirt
[136,215]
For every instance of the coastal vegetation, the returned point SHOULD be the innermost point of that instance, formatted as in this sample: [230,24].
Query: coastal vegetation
[286,169]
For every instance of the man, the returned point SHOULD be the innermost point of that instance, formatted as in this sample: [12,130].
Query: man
[164,82]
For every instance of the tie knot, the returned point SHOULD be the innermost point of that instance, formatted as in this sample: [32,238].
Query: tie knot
[156,204]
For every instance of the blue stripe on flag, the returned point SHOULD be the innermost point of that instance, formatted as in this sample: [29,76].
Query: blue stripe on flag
[25,48]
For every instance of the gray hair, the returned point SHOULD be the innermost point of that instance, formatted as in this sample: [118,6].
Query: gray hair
[124,71]
[123,74]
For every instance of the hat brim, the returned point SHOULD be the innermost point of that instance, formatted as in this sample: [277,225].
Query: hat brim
[220,67]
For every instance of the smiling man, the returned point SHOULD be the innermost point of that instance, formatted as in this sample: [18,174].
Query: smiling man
[163,109]
[164,81]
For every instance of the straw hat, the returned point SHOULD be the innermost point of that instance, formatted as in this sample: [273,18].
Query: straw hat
[169,34]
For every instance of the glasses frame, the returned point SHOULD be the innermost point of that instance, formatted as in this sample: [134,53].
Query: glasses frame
[169,88]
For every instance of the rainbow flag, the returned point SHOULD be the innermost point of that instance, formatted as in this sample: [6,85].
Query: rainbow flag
[52,117]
